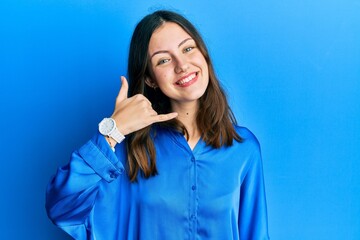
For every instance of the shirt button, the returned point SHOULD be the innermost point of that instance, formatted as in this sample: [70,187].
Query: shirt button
[193,217]
[193,187]
[193,159]
[113,175]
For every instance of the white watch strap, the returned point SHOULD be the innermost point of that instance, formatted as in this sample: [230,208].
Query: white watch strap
[117,136]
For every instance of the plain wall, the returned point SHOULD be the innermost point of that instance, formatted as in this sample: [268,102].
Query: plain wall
[291,70]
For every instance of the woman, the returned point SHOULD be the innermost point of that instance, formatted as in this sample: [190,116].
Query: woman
[185,170]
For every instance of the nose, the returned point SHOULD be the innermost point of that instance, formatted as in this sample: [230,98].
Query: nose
[181,65]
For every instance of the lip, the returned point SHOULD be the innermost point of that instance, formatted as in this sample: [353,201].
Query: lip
[193,78]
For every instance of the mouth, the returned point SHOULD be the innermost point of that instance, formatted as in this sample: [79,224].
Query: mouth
[187,80]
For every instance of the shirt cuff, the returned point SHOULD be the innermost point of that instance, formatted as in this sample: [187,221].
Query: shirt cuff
[99,156]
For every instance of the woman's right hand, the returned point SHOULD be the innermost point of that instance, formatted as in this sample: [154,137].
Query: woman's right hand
[134,113]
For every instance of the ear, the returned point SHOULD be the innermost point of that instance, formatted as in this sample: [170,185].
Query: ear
[150,82]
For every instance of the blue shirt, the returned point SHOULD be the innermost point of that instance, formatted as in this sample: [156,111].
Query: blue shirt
[204,193]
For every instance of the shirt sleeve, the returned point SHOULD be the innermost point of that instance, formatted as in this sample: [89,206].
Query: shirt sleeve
[253,223]
[71,194]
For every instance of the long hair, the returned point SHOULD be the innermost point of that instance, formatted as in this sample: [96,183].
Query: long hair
[214,118]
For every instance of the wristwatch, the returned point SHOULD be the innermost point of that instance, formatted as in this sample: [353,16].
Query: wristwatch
[107,127]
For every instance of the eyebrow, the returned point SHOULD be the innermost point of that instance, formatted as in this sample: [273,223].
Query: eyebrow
[164,51]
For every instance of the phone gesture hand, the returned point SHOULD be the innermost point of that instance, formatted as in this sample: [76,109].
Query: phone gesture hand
[134,113]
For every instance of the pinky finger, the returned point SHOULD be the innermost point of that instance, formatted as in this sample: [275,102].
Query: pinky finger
[164,117]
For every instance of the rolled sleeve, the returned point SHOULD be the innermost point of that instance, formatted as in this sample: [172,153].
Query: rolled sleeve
[100,157]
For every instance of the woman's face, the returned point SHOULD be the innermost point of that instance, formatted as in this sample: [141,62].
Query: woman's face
[178,67]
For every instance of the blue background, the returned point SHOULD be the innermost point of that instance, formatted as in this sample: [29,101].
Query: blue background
[291,70]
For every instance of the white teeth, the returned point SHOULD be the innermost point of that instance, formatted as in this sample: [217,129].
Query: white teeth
[188,79]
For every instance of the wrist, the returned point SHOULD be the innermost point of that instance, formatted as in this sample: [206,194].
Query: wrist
[107,127]
[122,130]
[111,142]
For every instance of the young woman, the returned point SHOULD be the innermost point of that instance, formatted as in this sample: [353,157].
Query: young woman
[185,170]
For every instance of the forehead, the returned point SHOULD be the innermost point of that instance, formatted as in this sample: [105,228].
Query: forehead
[167,36]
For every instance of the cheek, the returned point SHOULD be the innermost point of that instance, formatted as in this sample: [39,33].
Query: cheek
[205,69]
[162,77]
[200,59]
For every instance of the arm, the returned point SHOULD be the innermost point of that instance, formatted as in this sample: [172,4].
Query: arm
[253,212]
[71,194]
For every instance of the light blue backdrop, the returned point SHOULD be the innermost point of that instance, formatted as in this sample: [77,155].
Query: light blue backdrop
[291,69]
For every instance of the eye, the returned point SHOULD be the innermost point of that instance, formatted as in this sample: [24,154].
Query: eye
[188,49]
[163,61]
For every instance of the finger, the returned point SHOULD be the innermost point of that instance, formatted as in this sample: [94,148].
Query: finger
[164,117]
[123,90]
[141,99]
[152,112]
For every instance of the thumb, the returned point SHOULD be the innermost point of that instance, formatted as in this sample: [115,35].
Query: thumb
[123,90]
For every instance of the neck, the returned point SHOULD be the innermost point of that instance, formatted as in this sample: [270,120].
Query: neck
[187,113]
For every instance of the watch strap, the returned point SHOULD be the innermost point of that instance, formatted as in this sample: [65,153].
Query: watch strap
[116,135]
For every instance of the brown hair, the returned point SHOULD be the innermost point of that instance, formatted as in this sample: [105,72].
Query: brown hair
[214,118]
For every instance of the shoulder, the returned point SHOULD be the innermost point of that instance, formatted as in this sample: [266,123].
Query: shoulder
[250,147]
[248,136]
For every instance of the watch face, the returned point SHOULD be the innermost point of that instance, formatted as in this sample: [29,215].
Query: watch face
[106,126]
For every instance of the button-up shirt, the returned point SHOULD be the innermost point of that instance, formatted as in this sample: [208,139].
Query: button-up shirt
[200,193]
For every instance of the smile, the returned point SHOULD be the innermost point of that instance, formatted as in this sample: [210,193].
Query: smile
[188,80]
